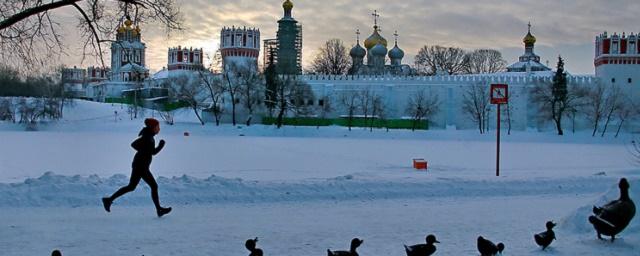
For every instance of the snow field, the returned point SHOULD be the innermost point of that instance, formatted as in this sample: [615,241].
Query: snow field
[302,190]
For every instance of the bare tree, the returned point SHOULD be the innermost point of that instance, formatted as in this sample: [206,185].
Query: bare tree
[185,89]
[613,104]
[422,106]
[292,95]
[7,110]
[432,58]
[282,93]
[350,101]
[366,104]
[135,98]
[31,111]
[166,114]
[32,33]
[251,90]
[475,104]
[233,75]
[216,90]
[332,58]
[484,61]
[509,109]
[627,111]
[595,105]
[378,111]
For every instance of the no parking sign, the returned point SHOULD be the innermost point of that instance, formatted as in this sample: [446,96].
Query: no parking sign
[499,95]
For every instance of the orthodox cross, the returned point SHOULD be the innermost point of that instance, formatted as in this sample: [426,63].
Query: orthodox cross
[396,35]
[375,17]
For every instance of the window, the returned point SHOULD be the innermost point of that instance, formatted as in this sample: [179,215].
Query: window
[629,80]
[321,103]
[310,102]
[613,80]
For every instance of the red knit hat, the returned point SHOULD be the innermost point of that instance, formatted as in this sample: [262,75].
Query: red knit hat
[151,122]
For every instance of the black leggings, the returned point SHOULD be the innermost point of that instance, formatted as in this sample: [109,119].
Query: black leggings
[136,175]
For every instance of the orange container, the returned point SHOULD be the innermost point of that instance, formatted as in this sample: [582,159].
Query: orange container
[420,164]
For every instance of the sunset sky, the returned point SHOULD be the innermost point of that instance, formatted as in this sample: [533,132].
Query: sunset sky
[561,27]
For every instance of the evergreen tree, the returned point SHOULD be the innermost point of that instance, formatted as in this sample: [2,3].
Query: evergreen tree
[271,80]
[560,93]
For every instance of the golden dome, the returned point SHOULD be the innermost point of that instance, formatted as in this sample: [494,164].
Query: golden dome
[287,5]
[529,39]
[137,29]
[375,39]
[128,22]
[121,29]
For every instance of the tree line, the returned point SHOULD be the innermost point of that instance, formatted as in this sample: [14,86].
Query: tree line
[601,105]
[29,99]
[333,58]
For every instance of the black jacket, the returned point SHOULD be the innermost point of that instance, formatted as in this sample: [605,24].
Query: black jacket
[146,147]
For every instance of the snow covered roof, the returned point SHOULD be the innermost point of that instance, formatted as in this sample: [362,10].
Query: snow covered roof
[523,66]
[133,67]
[157,98]
[162,74]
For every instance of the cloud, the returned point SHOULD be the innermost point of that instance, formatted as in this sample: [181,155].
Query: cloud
[561,27]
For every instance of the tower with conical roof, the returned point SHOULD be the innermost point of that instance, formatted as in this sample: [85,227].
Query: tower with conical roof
[289,39]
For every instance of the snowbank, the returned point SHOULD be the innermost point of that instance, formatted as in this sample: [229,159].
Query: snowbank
[576,222]
[74,191]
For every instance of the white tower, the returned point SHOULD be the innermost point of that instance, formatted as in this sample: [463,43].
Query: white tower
[240,46]
[179,58]
[617,59]
[128,54]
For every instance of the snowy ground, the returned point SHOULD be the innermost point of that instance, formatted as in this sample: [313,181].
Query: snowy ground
[302,190]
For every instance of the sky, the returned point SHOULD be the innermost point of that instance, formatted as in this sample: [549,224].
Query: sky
[562,27]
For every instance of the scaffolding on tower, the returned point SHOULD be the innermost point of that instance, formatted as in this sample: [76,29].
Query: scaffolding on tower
[270,53]
[298,46]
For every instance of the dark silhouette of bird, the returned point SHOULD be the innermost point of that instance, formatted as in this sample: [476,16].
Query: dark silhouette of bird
[251,246]
[545,238]
[422,249]
[488,248]
[355,243]
[615,216]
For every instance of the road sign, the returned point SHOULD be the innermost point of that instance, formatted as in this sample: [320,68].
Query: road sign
[499,94]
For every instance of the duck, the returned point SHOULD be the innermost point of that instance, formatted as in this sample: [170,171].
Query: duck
[488,248]
[355,243]
[422,249]
[615,216]
[250,244]
[545,238]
